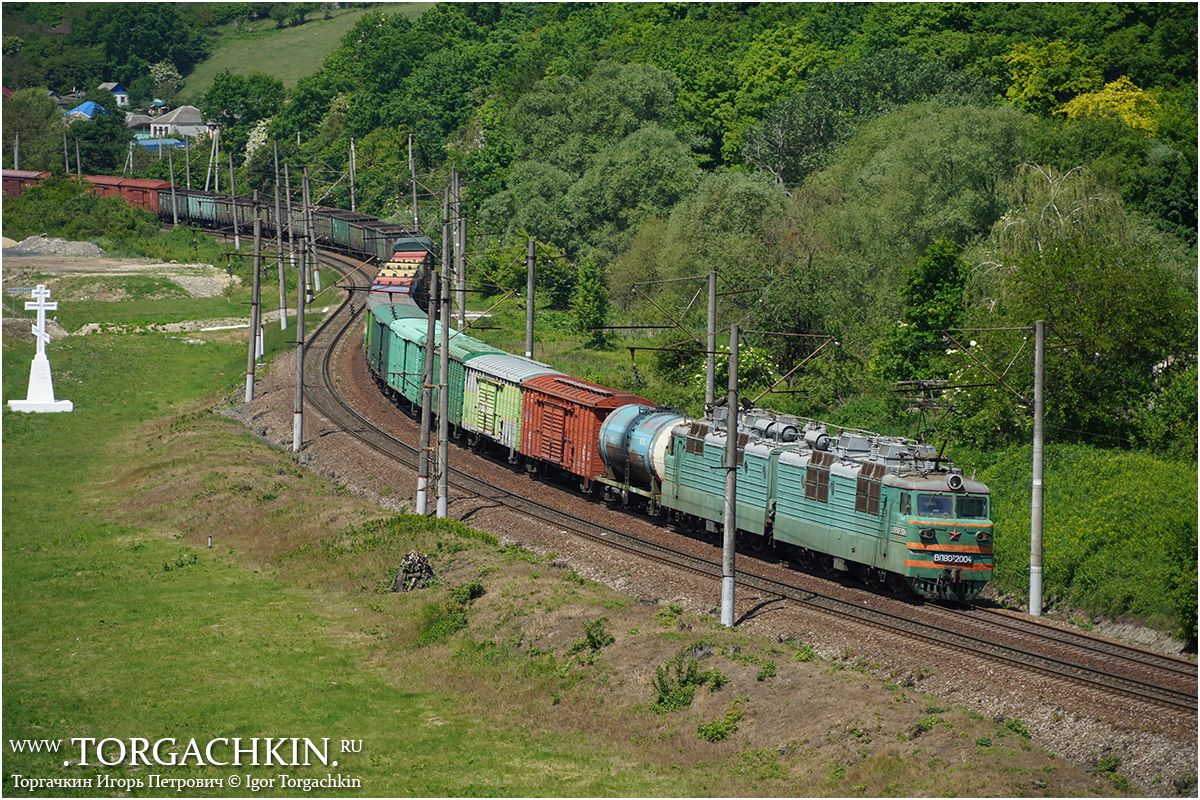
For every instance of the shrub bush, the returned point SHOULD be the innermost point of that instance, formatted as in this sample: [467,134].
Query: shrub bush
[1119,532]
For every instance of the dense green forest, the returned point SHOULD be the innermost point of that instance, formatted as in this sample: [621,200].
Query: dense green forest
[917,182]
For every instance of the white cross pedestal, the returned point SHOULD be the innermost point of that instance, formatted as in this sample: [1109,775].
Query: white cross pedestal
[40,397]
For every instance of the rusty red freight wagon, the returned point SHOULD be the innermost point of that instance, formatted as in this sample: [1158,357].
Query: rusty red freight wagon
[561,419]
[17,181]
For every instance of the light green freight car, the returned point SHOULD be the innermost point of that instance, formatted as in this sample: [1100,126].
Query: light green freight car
[492,399]
[408,363]
[378,339]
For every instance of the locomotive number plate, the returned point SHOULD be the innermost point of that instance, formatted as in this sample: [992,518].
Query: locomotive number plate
[952,558]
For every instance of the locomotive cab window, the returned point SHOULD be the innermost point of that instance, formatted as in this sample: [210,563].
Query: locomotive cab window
[972,506]
[935,505]
[906,503]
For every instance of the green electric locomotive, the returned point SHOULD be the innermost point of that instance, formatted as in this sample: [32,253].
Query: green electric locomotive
[886,509]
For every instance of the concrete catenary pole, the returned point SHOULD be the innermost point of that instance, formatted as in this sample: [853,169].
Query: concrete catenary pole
[729,540]
[353,203]
[412,171]
[78,163]
[255,341]
[17,151]
[291,221]
[67,158]
[259,325]
[314,267]
[174,200]
[710,379]
[460,246]
[1035,520]
[444,371]
[298,417]
[279,247]
[237,238]
[530,274]
[423,461]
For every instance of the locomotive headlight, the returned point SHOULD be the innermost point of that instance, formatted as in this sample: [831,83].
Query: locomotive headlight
[983,536]
[929,534]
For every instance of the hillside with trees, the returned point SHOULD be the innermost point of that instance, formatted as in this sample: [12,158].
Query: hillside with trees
[876,174]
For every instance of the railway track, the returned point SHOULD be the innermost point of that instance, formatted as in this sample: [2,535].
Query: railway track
[1012,643]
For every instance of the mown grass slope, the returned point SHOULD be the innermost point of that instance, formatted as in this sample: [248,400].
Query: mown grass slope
[288,53]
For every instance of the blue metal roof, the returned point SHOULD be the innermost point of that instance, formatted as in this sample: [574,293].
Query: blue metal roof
[88,109]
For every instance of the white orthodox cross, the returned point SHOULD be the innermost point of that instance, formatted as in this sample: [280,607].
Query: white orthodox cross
[40,397]
[41,295]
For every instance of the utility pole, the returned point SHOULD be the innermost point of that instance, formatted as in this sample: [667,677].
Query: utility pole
[291,224]
[444,372]
[710,379]
[66,158]
[352,198]
[729,540]
[435,301]
[311,249]
[17,151]
[530,270]
[212,143]
[78,163]
[279,245]
[233,205]
[1035,521]
[460,245]
[252,357]
[187,154]
[412,171]
[174,202]
[298,417]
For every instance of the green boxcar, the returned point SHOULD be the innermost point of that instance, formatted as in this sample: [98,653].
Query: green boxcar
[406,360]
[409,363]
[378,337]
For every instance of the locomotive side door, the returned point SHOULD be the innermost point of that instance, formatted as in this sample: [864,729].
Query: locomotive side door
[895,538]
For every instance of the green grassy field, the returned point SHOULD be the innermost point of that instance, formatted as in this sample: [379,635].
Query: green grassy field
[284,53]
[118,629]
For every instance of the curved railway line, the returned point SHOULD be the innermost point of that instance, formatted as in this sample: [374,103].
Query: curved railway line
[1013,644]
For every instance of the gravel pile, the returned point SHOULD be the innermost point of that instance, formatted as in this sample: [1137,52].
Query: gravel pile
[41,245]
[22,329]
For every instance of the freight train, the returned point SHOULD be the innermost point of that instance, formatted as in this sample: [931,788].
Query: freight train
[886,509]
